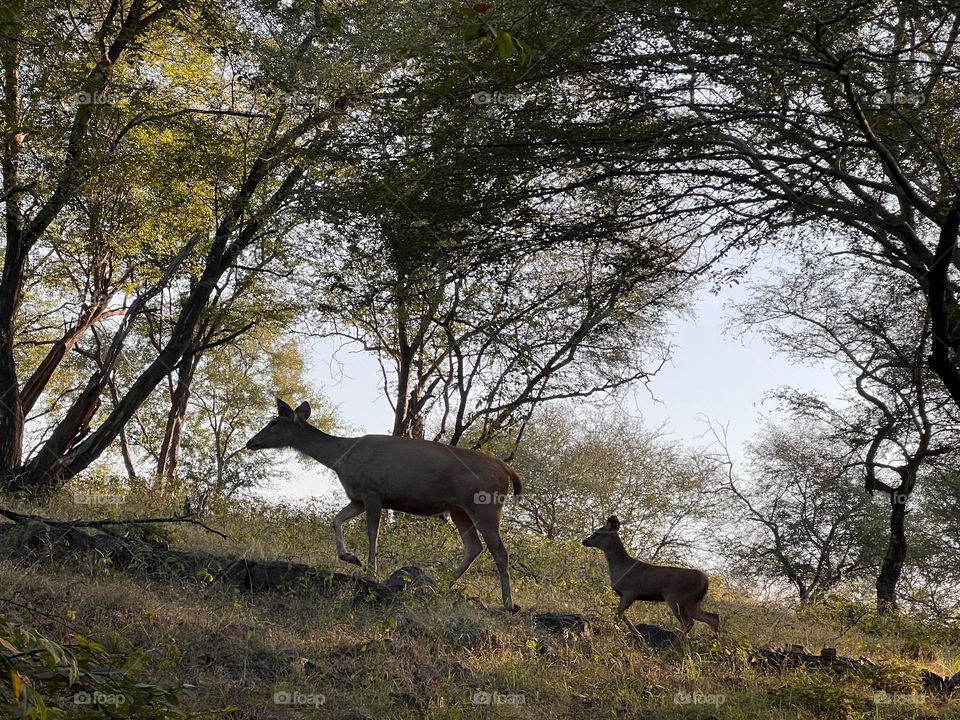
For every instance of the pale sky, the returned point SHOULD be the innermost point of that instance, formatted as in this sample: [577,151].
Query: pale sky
[714,374]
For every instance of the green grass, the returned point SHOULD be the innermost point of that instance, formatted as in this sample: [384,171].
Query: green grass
[441,652]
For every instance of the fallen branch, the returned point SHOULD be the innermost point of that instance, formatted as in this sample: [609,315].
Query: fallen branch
[100,524]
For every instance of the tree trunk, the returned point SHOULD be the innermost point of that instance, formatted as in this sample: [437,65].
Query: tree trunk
[942,358]
[62,457]
[896,553]
[36,383]
[414,423]
[403,393]
[405,401]
[124,443]
[16,247]
[173,434]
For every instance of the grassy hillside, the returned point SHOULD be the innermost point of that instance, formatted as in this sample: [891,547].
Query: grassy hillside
[451,653]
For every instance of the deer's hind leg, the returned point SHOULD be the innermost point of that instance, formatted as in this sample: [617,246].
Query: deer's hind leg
[489,527]
[682,612]
[374,507]
[711,619]
[472,547]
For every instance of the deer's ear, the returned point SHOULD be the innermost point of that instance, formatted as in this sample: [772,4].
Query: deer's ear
[613,523]
[284,410]
[303,410]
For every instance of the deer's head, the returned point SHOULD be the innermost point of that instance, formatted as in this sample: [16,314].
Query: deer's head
[603,536]
[281,431]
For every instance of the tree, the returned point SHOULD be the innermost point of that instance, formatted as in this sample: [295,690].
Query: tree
[902,423]
[805,520]
[470,178]
[578,469]
[932,583]
[809,119]
[139,113]
[231,395]
[482,350]
[205,143]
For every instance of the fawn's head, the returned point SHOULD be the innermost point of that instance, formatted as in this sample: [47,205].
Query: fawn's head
[283,429]
[602,537]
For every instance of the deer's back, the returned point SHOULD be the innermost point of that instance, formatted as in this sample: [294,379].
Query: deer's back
[653,582]
[419,476]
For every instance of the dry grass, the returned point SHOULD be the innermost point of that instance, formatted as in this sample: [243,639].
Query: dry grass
[436,653]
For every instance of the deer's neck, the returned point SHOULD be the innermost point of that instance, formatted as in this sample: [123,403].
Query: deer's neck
[617,558]
[325,449]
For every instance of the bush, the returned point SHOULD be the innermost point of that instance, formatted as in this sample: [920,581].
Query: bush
[46,679]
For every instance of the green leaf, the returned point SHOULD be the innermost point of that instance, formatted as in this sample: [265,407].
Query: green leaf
[505,45]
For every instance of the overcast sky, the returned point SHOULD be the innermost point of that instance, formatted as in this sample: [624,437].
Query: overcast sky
[714,374]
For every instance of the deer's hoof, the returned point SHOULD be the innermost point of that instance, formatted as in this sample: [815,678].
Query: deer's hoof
[352,559]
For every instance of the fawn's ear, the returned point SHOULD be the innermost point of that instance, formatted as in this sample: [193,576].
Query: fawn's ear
[303,410]
[613,523]
[284,410]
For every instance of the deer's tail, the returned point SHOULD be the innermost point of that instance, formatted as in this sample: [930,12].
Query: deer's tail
[703,591]
[515,481]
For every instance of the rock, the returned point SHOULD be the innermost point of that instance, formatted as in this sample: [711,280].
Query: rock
[545,649]
[564,622]
[937,683]
[406,577]
[778,658]
[57,540]
[658,637]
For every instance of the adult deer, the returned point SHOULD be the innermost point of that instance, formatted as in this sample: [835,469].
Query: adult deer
[682,589]
[413,476]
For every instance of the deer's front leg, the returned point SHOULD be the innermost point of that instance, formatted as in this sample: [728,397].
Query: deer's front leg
[625,602]
[350,511]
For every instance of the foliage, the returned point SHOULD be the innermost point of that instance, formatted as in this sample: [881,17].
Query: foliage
[874,334]
[580,468]
[806,520]
[81,679]
[820,696]
[932,583]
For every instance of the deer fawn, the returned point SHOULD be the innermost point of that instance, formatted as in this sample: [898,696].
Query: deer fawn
[413,476]
[681,589]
